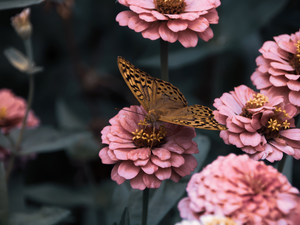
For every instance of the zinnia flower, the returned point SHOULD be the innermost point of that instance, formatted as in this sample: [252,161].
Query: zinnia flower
[12,112]
[261,127]
[145,158]
[279,68]
[245,190]
[171,20]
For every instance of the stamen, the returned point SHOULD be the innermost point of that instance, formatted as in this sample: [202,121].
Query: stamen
[274,125]
[286,125]
[170,6]
[2,112]
[146,138]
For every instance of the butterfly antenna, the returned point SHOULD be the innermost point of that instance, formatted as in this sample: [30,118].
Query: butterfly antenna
[174,138]
[130,111]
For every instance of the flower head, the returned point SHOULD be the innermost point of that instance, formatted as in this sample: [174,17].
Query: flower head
[21,24]
[145,157]
[245,190]
[261,126]
[12,112]
[279,68]
[171,20]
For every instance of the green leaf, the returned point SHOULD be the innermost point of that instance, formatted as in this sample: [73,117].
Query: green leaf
[238,19]
[45,216]
[3,196]
[48,139]
[8,4]
[125,217]
[161,199]
[59,195]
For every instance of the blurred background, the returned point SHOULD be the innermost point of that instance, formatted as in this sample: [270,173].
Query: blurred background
[77,43]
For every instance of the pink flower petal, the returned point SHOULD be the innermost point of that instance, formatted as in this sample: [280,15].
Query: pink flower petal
[177,25]
[128,170]
[294,85]
[115,175]
[138,182]
[124,16]
[163,174]
[105,157]
[294,98]
[147,17]
[198,25]
[187,38]
[206,35]
[148,4]
[166,34]
[150,168]
[151,181]
[251,139]
[278,81]
[152,32]
[138,25]
[282,66]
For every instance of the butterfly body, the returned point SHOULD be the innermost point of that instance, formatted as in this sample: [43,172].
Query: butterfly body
[163,101]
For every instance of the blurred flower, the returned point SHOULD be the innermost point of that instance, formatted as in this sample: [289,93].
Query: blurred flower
[261,127]
[171,20]
[216,220]
[12,112]
[145,158]
[279,68]
[22,25]
[245,190]
[189,222]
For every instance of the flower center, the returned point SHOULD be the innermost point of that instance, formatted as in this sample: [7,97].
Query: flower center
[170,6]
[220,221]
[147,138]
[2,112]
[295,61]
[258,101]
[275,124]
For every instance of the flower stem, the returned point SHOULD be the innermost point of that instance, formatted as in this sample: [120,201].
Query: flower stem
[28,49]
[164,60]
[281,163]
[3,196]
[145,206]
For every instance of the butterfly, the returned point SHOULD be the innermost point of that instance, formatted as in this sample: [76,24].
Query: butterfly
[163,101]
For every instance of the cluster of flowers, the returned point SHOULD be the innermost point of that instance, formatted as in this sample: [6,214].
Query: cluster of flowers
[236,189]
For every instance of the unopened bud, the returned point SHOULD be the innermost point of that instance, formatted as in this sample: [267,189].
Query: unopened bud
[22,24]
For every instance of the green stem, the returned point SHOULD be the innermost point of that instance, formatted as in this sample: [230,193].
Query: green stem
[281,163]
[28,49]
[164,60]
[3,196]
[145,206]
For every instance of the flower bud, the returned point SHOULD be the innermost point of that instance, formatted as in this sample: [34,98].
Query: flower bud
[22,25]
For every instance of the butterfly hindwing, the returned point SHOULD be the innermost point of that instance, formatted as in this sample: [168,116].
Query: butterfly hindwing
[197,116]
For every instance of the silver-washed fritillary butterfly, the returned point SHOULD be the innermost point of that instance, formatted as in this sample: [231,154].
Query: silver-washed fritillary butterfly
[163,101]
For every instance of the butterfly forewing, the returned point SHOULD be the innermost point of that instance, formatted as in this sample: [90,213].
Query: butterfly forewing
[165,100]
[151,92]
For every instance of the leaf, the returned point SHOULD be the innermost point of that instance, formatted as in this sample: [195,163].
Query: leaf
[161,199]
[238,19]
[3,196]
[125,217]
[59,195]
[20,61]
[48,139]
[8,4]
[45,216]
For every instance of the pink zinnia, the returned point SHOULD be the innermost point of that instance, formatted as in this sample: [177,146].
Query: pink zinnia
[279,68]
[261,127]
[247,191]
[12,112]
[171,20]
[143,159]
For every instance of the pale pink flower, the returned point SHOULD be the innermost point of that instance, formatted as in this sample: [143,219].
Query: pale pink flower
[12,112]
[261,127]
[245,190]
[279,68]
[142,159]
[171,20]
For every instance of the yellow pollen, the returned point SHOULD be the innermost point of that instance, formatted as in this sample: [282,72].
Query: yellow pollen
[286,125]
[298,49]
[258,100]
[220,221]
[2,112]
[170,6]
[274,125]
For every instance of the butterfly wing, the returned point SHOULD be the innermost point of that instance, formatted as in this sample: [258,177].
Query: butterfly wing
[151,92]
[197,116]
